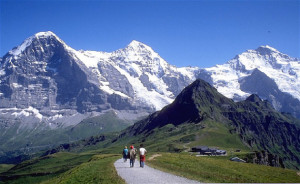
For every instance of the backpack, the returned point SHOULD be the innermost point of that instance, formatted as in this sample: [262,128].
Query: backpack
[132,153]
[125,151]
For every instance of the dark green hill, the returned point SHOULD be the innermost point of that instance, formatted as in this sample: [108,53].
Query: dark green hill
[262,128]
[195,103]
[202,115]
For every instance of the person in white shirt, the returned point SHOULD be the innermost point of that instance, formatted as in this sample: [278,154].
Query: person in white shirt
[143,152]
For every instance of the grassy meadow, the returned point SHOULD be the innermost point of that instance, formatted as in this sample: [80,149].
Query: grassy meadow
[92,167]
[5,167]
[220,170]
[99,169]
[65,168]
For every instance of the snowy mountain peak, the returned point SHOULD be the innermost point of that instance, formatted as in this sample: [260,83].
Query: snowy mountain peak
[266,50]
[45,34]
[48,34]
[41,35]
[263,56]
[271,48]
[141,54]
[137,44]
[281,68]
[139,47]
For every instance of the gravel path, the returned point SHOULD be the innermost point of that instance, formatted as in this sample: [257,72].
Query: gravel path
[138,175]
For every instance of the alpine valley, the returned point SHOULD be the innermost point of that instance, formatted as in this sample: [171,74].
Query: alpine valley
[52,94]
[199,115]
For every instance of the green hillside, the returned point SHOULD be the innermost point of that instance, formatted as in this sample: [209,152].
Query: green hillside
[65,168]
[221,170]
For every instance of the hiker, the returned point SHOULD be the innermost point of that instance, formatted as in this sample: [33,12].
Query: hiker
[143,152]
[125,154]
[132,155]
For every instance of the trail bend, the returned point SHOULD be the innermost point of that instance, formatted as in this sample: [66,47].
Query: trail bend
[147,175]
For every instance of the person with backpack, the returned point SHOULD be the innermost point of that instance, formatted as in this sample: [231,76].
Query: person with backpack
[132,155]
[143,152]
[125,154]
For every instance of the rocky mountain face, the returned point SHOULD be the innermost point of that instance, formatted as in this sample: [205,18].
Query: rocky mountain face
[46,78]
[45,75]
[265,158]
[45,84]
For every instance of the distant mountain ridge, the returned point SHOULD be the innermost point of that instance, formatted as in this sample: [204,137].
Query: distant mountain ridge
[45,84]
[120,79]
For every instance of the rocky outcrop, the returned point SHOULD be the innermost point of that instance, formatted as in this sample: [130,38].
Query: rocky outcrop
[265,158]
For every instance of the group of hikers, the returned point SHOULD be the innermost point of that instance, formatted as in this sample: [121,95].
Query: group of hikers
[131,155]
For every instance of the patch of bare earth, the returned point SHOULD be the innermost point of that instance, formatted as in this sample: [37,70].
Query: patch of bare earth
[298,173]
[154,156]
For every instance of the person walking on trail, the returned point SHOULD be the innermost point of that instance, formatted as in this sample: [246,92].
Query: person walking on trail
[132,155]
[143,152]
[125,154]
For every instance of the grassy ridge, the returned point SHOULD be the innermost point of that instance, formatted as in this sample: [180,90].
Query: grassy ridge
[99,169]
[65,168]
[213,169]
[170,138]
[5,167]
[217,135]
[43,168]
[108,122]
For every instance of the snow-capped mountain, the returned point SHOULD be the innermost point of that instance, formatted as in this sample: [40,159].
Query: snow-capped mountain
[265,71]
[47,79]
[138,73]
[46,85]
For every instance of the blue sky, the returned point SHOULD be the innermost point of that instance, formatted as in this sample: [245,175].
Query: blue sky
[184,33]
